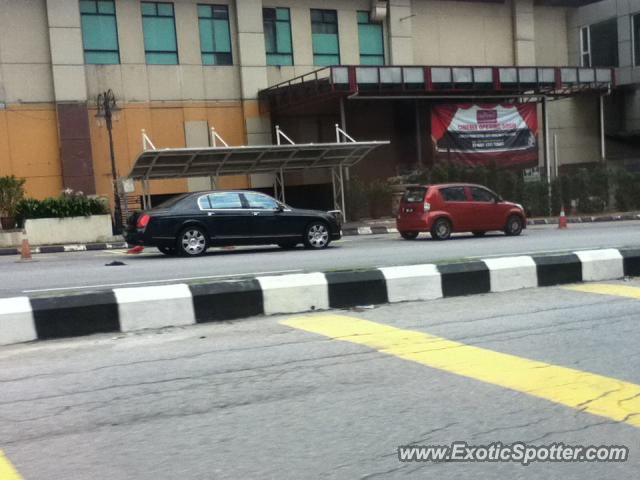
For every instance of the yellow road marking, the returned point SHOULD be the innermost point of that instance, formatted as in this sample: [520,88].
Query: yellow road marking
[592,393]
[606,289]
[7,471]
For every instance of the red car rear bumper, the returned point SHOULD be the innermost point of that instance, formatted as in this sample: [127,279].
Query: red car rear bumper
[414,223]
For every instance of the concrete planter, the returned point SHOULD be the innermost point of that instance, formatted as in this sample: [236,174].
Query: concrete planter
[10,238]
[51,231]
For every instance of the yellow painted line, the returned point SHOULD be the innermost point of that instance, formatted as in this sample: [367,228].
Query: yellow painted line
[606,289]
[595,394]
[7,471]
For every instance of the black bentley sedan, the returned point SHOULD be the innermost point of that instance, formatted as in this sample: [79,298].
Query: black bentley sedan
[189,224]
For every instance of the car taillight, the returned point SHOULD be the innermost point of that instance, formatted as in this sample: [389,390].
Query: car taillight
[427,207]
[143,221]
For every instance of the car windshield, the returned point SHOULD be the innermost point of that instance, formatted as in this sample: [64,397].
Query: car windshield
[414,195]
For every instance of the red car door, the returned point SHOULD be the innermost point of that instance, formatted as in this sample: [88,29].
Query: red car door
[488,211]
[456,203]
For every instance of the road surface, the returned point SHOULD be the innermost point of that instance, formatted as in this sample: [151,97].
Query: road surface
[321,396]
[62,272]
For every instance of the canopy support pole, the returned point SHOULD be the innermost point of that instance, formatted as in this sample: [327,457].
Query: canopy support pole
[337,180]
[547,149]
[603,145]
[278,185]
[215,138]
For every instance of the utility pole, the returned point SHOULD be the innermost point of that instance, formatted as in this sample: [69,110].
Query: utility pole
[106,104]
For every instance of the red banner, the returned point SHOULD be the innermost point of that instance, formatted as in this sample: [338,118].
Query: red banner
[506,134]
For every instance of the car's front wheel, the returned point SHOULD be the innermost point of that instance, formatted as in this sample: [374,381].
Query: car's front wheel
[317,236]
[441,230]
[514,226]
[192,242]
[409,235]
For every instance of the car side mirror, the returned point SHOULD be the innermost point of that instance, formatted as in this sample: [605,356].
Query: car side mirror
[279,208]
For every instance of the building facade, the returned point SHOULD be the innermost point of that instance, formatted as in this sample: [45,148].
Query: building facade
[179,68]
[608,33]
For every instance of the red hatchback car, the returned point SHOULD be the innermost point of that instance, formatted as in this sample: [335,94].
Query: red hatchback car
[456,207]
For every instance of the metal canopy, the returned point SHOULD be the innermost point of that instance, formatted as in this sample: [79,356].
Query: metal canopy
[174,163]
[213,162]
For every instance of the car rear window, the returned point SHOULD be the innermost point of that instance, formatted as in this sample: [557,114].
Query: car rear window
[173,201]
[414,195]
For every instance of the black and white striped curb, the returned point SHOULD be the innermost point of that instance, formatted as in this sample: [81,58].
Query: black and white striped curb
[66,248]
[24,319]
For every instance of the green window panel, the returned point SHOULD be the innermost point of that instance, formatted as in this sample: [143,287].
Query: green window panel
[159,28]
[215,35]
[99,32]
[371,39]
[277,36]
[324,31]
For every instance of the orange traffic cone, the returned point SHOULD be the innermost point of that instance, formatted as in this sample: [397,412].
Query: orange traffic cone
[563,223]
[25,250]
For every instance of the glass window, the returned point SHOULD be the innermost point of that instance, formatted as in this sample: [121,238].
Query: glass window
[215,35]
[222,200]
[414,195]
[259,201]
[159,27]
[277,36]
[454,194]
[99,32]
[482,195]
[324,30]
[585,53]
[636,39]
[600,44]
[371,40]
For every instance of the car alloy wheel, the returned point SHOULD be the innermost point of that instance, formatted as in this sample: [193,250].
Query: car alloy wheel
[441,229]
[317,236]
[193,242]
[514,226]
[409,235]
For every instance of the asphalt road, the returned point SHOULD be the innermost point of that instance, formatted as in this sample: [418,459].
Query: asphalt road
[270,398]
[86,270]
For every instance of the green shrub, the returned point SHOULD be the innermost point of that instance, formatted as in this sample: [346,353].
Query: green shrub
[379,193]
[11,193]
[357,200]
[67,205]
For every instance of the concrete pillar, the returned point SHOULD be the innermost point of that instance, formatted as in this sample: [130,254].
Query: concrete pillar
[524,33]
[400,32]
[70,92]
[253,70]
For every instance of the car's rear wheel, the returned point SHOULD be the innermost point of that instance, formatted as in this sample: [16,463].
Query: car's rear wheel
[409,235]
[441,229]
[192,242]
[167,250]
[316,236]
[288,245]
[514,226]
[479,234]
